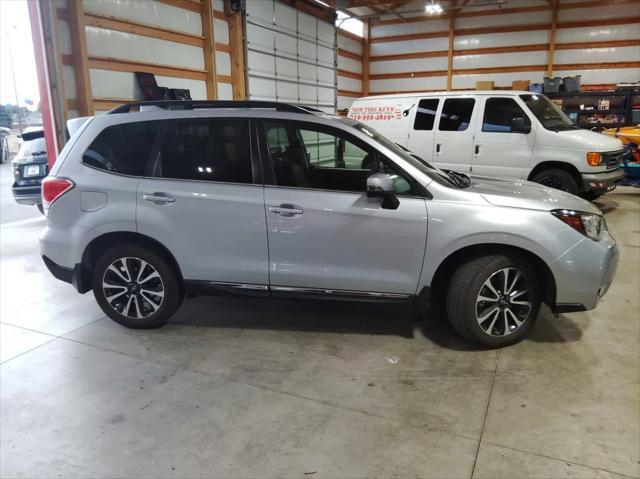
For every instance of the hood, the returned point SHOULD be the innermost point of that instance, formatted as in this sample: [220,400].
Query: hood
[528,195]
[583,139]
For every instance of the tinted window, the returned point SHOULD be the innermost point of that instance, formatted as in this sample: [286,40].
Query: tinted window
[456,114]
[426,114]
[206,149]
[499,113]
[324,160]
[123,148]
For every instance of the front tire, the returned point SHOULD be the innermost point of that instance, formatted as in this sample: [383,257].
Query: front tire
[592,195]
[558,179]
[136,287]
[493,300]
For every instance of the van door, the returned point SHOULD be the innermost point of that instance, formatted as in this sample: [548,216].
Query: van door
[454,134]
[504,139]
[421,133]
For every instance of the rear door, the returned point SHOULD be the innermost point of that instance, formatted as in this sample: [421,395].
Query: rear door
[454,134]
[422,132]
[203,200]
[498,150]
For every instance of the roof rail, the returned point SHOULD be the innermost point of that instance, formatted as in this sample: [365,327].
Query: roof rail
[197,104]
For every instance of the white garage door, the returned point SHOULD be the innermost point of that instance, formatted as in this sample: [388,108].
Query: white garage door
[291,56]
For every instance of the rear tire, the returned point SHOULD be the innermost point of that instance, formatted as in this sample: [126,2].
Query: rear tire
[485,311]
[592,195]
[136,287]
[558,179]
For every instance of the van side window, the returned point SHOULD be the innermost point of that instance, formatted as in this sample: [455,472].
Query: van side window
[123,148]
[499,113]
[456,114]
[206,149]
[426,114]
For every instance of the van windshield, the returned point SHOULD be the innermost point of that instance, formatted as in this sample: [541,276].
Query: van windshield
[422,165]
[548,113]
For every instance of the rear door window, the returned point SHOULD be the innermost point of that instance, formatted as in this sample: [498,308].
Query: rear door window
[123,148]
[456,114]
[206,149]
[426,114]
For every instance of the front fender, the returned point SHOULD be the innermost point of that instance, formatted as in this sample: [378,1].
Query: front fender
[454,226]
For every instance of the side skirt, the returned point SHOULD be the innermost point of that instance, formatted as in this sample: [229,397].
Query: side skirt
[215,288]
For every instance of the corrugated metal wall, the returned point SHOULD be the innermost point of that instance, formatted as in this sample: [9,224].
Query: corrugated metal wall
[601,43]
[124,36]
[350,51]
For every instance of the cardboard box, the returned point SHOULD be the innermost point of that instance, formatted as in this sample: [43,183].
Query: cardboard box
[484,85]
[520,85]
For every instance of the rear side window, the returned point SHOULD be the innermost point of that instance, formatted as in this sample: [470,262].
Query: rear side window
[206,149]
[123,148]
[499,113]
[456,114]
[426,114]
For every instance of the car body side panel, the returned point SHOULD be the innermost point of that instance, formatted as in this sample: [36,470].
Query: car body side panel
[454,226]
[216,231]
[69,229]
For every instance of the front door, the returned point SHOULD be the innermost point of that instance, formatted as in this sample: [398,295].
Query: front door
[324,232]
[204,201]
[454,134]
[498,150]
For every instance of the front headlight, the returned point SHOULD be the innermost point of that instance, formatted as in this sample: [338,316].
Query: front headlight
[588,224]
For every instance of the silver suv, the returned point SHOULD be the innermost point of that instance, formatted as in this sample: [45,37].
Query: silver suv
[156,201]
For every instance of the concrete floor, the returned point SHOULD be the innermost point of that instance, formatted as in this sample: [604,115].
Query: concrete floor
[252,388]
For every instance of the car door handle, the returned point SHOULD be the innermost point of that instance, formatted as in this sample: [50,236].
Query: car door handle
[158,198]
[286,210]
[477,150]
[438,147]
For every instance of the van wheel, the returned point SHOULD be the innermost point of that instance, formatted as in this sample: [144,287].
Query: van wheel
[135,287]
[558,179]
[493,301]
[592,195]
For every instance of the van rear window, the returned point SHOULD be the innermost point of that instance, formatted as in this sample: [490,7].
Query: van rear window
[426,114]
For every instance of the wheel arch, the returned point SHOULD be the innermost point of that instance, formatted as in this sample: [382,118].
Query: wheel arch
[560,165]
[447,267]
[105,241]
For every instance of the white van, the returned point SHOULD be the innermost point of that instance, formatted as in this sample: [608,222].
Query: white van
[513,134]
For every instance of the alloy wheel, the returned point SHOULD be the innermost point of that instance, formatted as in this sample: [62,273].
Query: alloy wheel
[133,287]
[504,302]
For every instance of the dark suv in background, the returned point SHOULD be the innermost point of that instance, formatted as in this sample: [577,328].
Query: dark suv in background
[29,169]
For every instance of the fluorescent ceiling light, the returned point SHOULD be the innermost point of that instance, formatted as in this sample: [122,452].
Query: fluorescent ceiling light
[433,8]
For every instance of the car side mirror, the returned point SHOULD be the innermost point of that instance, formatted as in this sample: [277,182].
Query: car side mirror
[518,125]
[380,185]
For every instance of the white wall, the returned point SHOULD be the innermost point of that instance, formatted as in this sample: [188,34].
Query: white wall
[116,45]
[537,36]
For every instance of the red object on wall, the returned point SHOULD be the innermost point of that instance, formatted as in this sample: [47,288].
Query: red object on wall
[43,81]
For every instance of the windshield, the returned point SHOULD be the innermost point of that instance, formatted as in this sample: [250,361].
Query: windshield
[431,171]
[37,146]
[551,117]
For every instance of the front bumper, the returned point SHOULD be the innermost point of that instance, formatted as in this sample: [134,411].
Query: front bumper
[602,181]
[27,195]
[584,273]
